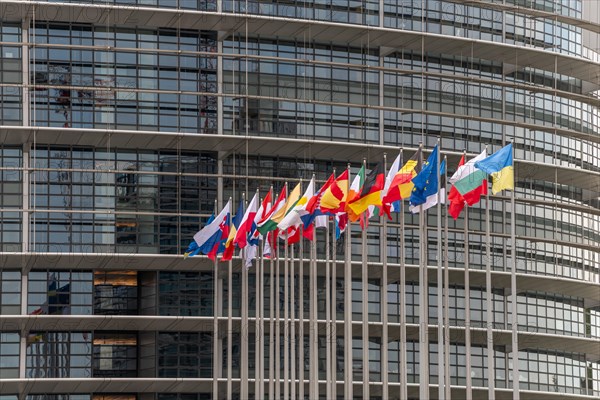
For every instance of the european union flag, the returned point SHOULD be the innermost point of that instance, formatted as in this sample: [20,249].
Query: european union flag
[426,182]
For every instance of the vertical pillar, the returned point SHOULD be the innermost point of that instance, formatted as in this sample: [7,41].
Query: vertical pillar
[25,96]
[219,83]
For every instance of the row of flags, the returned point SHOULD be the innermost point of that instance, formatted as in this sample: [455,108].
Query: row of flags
[294,215]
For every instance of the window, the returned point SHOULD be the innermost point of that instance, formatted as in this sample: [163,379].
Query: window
[185,355]
[60,292]
[10,292]
[115,355]
[59,355]
[115,292]
[185,293]
[9,355]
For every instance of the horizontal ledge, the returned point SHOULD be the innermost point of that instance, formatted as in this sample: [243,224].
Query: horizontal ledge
[45,386]
[282,27]
[588,290]
[265,145]
[152,323]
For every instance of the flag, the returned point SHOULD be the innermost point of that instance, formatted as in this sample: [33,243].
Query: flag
[341,221]
[193,248]
[268,251]
[334,197]
[470,181]
[290,202]
[254,236]
[500,166]
[209,238]
[370,195]
[235,223]
[241,236]
[401,185]
[432,199]
[426,182]
[457,202]
[294,216]
[386,205]
[314,204]
[354,193]
[265,225]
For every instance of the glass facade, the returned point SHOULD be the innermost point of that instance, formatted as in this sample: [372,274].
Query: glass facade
[126,124]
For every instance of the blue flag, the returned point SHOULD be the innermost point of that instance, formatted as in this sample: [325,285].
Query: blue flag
[193,249]
[426,182]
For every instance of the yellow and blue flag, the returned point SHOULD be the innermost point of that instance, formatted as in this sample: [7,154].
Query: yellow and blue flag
[500,166]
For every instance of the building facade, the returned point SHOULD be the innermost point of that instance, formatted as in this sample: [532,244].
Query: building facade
[122,121]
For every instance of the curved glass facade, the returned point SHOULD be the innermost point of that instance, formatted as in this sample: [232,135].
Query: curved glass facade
[125,123]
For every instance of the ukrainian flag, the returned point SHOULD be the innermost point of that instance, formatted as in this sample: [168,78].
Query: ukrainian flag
[500,166]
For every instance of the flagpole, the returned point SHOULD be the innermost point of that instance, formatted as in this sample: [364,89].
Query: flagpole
[278,312]
[348,378]
[327,309]
[423,305]
[229,323]
[365,305]
[216,308]
[286,319]
[293,323]
[513,288]
[446,289]
[244,313]
[271,320]
[260,330]
[440,284]
[488,299]
[469,387]
[333,355]
[402,249]
[301,322]
[384,300]
[313,337]
[229,327]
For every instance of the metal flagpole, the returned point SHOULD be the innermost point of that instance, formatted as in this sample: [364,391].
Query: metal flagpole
[365,304]
[488,299]
[286,320]
[229,328]
[301,321]
[277,322]
[333,338]
[260,331]
[469,387]
[313,337]
[292,325]
[446,288]
[402,250]
[348,309]
[513,288]
[229,324]
[440,285]
[423,306]
[328,302]
[384,302]
[245,328]
[216,309]
[257,330]
[271,319]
